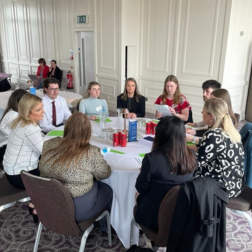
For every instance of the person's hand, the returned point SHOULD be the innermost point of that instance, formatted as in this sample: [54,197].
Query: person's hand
[172,110]
[39,77]
[131,115]
[93,118]
[191,131]
[158,115]
[189,138]
[192,124]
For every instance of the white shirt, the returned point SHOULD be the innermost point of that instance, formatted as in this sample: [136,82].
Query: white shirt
[23,149]
[5,126]
[62,113]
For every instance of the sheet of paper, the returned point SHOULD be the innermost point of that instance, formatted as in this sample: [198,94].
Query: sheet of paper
[163,109]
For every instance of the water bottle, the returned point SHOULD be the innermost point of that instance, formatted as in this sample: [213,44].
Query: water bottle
[119,120]
[102,123]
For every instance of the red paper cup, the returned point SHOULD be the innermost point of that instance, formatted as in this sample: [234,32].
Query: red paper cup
[148,128]
[123,139]
[115,139]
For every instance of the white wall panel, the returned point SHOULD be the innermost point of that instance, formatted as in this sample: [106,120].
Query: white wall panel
[48,30]
[3,48]
[157,38]
[109,91]
[64,32]
[5,67]
[35,35]
[10,31]
[107,37]
[21,32]
[14,70]
[24,70]
[198,43]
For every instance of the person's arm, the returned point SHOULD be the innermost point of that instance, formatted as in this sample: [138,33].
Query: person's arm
[143,181]
[82,106]
[38,71]
[184,114]
[105,106]
[34,138]
[57,74]
[45,71]
[67,112]
[140,107]
[100,168]
[119,102]
[209,148]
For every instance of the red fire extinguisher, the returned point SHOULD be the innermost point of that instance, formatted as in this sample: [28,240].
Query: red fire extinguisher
[69,80]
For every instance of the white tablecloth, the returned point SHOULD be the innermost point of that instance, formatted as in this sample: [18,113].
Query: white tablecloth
[4,97]
[125,170]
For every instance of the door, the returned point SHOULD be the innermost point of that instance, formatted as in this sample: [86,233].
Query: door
[86,59]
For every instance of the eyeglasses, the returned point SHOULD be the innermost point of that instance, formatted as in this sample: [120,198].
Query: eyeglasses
[54,89]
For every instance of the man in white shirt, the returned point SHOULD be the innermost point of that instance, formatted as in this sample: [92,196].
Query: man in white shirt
[55,106]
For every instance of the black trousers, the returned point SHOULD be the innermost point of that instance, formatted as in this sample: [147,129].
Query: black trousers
[16,180]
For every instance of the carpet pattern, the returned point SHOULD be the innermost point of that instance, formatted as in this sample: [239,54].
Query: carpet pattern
[17,234]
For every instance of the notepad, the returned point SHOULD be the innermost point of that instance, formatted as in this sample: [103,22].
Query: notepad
[56,133]
[190,143]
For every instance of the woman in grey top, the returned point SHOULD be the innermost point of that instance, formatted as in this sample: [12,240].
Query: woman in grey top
[79,166]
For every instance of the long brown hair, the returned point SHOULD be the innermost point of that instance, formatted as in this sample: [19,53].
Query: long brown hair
[13,101]
[224,95]
[75,141]
[125,93]
[177,94]
[170,140]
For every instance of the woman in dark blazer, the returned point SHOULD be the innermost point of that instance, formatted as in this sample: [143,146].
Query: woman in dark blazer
[54,71]
[131,99]
[170,163]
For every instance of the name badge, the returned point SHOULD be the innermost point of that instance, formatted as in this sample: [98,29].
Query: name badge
[98,108]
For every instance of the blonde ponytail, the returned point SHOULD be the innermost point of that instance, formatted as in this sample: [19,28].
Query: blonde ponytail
[219,110]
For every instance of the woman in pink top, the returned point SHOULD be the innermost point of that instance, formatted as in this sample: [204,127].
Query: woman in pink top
[178,104]
[43,69]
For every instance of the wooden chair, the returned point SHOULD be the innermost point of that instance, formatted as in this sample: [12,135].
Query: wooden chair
[160,239]
[55,209]
[9,195]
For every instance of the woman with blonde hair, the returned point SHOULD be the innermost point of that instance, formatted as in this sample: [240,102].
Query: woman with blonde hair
[25,141]
[79,166]
[178,103]
[131,99]
[220,152]
[92,105]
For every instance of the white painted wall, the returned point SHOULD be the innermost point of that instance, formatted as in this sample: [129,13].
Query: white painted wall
[193,39]
[236,68]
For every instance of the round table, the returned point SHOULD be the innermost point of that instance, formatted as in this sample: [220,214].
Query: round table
[125,169]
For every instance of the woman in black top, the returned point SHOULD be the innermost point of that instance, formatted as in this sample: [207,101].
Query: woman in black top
[131,99]
[54,71]
[170,163]
[220,152]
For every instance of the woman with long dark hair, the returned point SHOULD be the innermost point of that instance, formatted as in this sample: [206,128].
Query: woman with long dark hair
[131,99]
[170,163]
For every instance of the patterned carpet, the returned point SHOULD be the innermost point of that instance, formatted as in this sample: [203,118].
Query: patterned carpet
[17,234]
